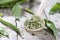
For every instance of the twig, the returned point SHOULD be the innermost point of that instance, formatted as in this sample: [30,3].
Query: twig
[45,14]
[16,26]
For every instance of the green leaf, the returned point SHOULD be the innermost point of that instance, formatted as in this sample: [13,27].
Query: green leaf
[10,3]
[50,25]
[17,11]
[55,8]
[3,32]
[6,1]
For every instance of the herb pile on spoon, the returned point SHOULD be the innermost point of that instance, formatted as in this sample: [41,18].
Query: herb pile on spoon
[33,23]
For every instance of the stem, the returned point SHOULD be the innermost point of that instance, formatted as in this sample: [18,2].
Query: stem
[16,26]
[29,11]
[16,22]
[11,26]
[16,19]
[45,14]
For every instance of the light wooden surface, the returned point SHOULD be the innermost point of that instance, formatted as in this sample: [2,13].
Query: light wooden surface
[13,35]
